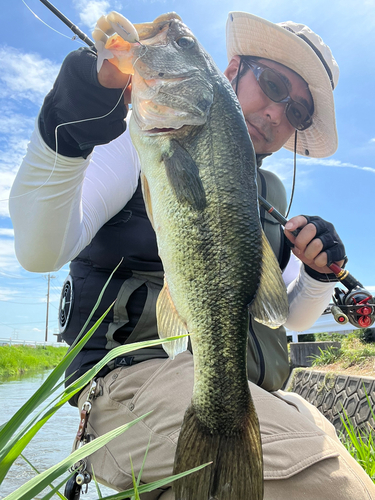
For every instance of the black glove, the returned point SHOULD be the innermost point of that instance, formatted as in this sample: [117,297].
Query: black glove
[76,95]
[332,245]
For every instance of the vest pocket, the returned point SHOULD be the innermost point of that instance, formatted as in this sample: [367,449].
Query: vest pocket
[267,356]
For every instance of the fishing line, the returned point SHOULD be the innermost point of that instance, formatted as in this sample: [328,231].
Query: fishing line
[73,123]
[73,38]
[56,141]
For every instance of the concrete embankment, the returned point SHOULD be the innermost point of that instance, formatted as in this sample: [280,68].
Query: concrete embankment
[331,392]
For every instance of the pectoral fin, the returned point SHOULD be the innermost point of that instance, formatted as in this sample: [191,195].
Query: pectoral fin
[170,324]
[183,175]
[270,305]
[147,198]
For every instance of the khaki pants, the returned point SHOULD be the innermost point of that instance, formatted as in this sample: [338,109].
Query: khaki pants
[303,458]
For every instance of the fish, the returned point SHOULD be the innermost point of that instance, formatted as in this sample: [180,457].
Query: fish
[198,172]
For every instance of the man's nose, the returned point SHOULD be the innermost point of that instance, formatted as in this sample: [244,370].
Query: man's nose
[275,112]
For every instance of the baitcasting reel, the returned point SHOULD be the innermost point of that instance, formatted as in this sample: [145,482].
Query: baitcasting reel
[356,305]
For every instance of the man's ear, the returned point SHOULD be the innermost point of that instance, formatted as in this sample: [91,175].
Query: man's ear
[232,68]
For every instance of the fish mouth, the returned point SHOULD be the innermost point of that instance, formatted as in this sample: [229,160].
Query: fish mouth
[158,131]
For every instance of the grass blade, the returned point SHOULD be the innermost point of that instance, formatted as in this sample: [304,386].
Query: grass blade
[8,446]
[48,386]
[53,488]
[99,493]
[38,483]
[46,389]
[13,449]
[146,488]
[135,481]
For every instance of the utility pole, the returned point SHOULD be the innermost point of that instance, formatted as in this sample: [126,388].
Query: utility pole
[48,287]
[49,280]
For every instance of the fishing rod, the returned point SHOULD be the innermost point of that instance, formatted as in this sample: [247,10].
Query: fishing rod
[70,25]
[357,305]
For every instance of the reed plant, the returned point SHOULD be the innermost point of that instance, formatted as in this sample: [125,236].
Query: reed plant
[30,418]
[18,360]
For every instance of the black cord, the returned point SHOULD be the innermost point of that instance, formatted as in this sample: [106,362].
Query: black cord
[294,174]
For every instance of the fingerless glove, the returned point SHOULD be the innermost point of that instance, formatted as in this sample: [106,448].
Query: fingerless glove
[78,95]
[332,245]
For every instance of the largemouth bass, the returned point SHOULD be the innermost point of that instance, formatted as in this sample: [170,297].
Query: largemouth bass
[199,184]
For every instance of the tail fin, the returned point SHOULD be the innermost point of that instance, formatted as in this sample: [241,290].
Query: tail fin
[237,469]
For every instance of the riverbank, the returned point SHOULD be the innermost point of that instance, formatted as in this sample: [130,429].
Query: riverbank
[19,360]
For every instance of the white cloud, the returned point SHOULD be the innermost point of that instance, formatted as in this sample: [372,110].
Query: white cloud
[6,232]
[8,260]
[15,84]
[282,167]
[19,92]
[15,123]
[89,12]
[7,294]
[333,163]
[372,140]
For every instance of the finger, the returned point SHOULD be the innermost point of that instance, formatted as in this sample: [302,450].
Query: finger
[335,254]
[295,222]
[111,77]
[293,227]
[313,249]
[305,237]
[321,260]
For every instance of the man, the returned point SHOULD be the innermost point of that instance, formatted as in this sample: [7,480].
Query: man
[89,209]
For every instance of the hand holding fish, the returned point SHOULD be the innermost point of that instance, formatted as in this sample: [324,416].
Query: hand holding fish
[317,244]
[111,77]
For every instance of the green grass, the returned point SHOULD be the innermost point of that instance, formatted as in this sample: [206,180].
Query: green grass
[18,360]
[354,351]
[360,442]
[327,356]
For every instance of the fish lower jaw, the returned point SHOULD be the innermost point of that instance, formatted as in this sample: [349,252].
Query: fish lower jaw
[158,131]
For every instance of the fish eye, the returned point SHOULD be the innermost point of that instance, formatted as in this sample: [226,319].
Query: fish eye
[186,42]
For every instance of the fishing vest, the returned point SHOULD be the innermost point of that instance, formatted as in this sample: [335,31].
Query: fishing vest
[129,237]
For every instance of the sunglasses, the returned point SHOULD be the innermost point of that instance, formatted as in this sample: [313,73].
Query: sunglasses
[275,88]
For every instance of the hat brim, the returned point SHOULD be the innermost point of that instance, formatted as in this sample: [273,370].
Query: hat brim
[251,35]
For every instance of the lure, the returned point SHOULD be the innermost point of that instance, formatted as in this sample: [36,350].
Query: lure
[114,33]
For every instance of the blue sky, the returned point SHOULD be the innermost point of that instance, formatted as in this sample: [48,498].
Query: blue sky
[340,188]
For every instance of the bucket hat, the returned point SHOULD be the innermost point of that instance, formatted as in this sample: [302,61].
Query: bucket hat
[297,47]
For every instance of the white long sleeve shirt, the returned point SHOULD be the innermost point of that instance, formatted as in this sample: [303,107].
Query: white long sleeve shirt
[58,204]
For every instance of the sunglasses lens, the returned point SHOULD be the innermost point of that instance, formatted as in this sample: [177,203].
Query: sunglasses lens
[273,86]
[298,116]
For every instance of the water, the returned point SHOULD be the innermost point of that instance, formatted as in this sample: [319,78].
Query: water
[50,445]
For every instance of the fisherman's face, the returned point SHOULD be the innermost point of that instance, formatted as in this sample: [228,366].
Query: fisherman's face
[266,120]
